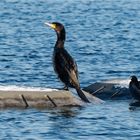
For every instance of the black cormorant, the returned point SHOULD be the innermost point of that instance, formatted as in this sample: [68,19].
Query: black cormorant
[64,64]
[134,87]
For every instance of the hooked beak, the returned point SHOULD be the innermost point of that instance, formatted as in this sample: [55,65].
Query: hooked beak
[50,25]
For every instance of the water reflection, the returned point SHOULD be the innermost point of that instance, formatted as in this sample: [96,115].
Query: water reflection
[66,112]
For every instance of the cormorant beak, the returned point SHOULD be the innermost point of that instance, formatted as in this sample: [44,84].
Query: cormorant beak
[50,25]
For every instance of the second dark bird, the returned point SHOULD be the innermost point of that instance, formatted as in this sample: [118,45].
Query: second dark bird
[64,64]
[134,88]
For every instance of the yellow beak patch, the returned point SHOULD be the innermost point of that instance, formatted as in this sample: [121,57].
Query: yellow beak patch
[53,26]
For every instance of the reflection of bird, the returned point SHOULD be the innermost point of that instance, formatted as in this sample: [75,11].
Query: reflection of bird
[134,88]
[64,65]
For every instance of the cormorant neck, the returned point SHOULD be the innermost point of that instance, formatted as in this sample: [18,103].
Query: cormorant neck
[60,39]
[59,44]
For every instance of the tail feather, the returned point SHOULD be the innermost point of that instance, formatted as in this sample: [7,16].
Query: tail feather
[82,95]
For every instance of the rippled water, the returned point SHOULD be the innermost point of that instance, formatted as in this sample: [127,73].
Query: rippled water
[102,36]
[106,121]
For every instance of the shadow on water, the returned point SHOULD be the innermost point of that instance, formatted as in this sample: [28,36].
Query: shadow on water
[66,112]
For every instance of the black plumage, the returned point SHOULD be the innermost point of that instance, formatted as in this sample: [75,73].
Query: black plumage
[134,88]
[64,64]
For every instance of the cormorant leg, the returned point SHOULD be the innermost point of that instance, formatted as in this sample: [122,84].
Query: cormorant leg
[65,88]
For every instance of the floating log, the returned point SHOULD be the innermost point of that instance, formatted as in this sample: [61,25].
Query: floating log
[109,91]
[42,99]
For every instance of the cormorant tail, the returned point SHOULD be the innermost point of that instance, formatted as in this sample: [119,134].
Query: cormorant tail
[82,95]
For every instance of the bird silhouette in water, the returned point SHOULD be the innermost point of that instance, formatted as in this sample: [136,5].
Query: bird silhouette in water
[64,64]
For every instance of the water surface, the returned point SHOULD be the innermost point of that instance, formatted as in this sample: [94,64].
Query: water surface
[102,36]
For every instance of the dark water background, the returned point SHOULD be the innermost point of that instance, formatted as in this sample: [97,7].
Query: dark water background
[102,36]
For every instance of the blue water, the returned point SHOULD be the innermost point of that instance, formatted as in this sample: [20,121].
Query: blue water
[102,36]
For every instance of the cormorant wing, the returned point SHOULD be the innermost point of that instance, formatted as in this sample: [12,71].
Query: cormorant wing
[136,89]
[70,66]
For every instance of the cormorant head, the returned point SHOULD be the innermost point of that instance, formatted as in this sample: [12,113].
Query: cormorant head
[59,28]
[134,79]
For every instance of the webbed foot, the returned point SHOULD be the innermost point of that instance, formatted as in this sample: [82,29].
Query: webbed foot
[65,88]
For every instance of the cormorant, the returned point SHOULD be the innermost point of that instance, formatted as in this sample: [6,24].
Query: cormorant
[64,64]
[134,87]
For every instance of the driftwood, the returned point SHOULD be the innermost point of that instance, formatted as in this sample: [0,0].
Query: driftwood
[37,99]
[107,91]
[61,98]
[42,99]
